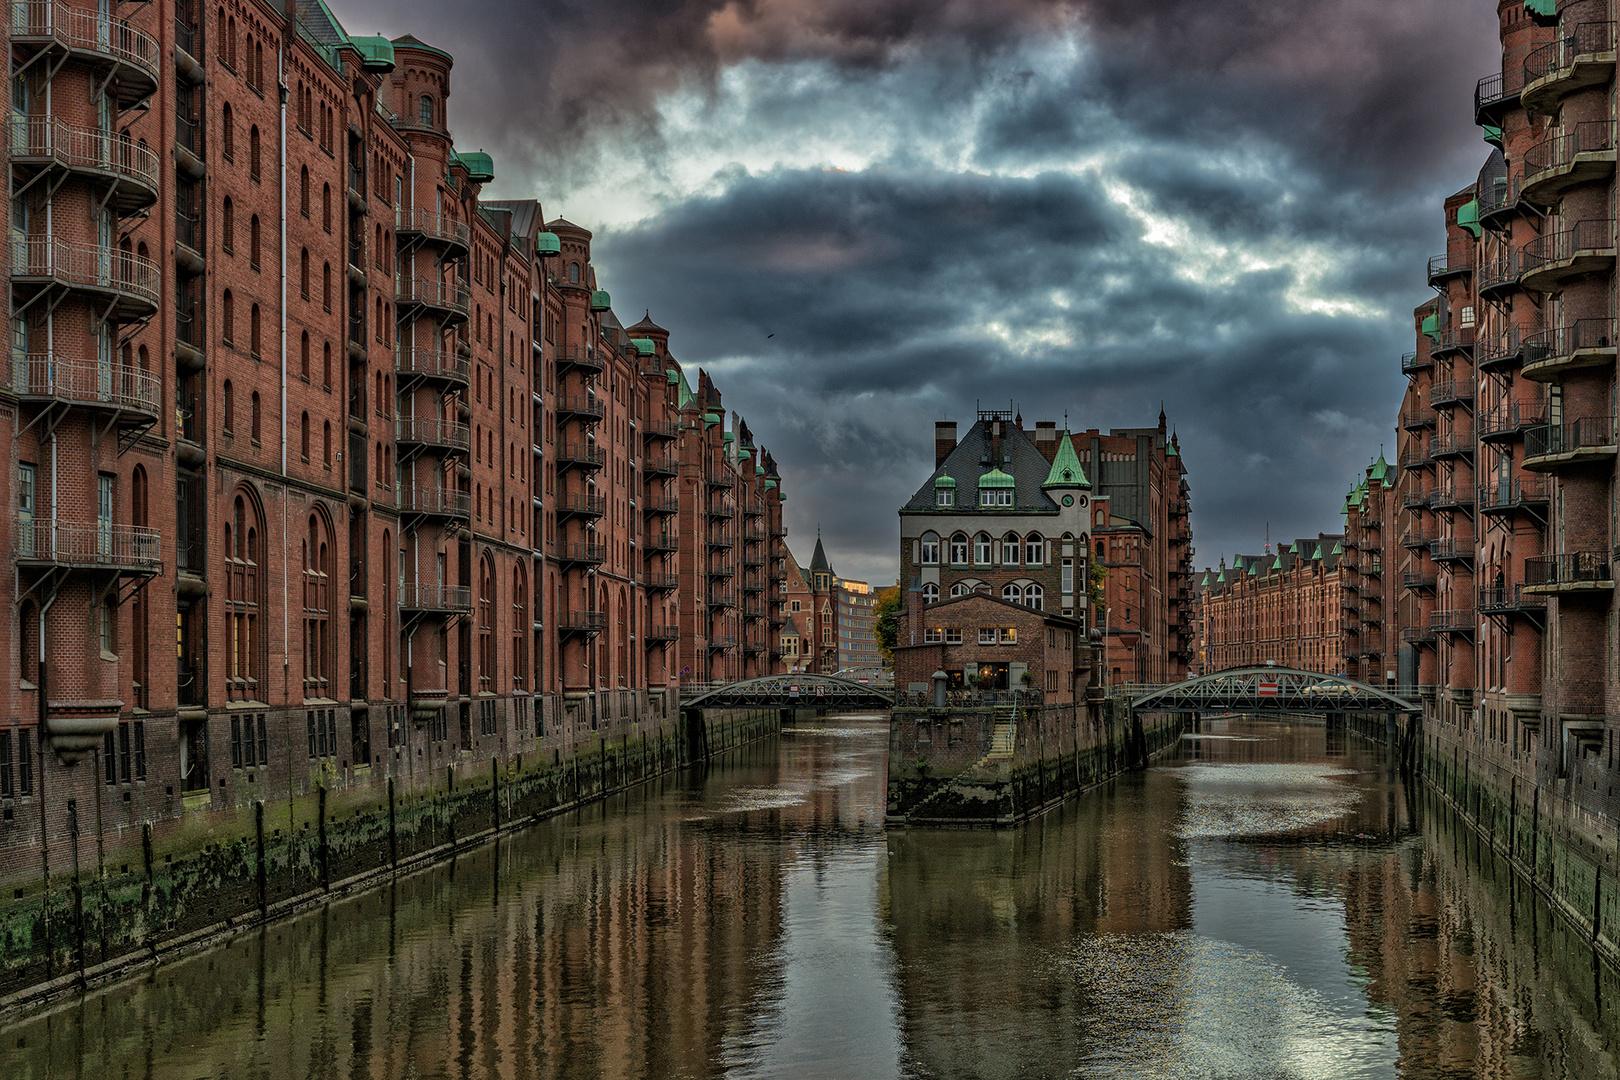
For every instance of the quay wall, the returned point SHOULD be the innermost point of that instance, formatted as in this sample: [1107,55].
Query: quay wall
[145,894]
[943,773]
[1556,828]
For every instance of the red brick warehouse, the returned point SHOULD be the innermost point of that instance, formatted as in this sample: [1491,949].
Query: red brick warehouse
[326,469]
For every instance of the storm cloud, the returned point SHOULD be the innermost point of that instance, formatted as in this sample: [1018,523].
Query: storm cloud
[865,215]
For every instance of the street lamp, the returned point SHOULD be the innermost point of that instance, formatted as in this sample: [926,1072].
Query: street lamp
[1108,674]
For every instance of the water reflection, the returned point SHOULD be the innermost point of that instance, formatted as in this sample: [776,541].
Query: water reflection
[1272,902]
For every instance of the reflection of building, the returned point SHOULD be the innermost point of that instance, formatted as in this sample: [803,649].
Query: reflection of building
[1281,609]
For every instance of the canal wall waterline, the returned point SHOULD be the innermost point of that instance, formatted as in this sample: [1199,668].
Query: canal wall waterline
[1561,850]
[237,870]
[969,767]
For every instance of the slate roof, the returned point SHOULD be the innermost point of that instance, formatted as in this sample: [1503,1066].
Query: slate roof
[970,460]
[525,214]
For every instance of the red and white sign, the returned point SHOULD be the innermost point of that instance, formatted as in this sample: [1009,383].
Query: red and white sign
[793,691]
[1268,689]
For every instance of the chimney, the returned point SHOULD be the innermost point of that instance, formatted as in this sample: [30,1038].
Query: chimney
[944,440]
[995,444]
[1045,431]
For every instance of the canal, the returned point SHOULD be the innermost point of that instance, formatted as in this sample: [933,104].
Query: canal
[1268,901]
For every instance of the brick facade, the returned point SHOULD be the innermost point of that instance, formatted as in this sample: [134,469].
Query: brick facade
[375,448]
[1285,609]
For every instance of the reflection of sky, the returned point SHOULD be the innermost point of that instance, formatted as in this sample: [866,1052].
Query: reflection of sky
[827,1009]
[1259,987]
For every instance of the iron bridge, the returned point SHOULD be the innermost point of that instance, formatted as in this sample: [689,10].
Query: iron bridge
[788,692]
[1272,689]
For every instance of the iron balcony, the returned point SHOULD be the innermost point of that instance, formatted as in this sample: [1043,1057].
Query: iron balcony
[128,55]
[1588,247]
[440,229]
[449,599]
[128,168]
[1577,58]
[96,545]
[1578,443]
[1570,571]
[1586,343]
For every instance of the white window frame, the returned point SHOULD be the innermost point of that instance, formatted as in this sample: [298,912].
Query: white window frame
[988,635]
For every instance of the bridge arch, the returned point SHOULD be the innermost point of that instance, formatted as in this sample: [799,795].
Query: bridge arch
[1272,689]
[788,691]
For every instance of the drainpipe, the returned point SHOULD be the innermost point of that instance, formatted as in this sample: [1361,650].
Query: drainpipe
[282,94]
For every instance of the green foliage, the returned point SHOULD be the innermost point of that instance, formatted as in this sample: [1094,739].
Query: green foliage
[1098,585]
[887,625]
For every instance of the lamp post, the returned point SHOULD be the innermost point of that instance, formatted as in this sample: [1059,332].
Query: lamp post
[1108,674]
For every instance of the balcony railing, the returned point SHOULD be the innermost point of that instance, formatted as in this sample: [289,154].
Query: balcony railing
[415,596]
[661,582]
[431,363]
[1452,496]
[1452,621]
[1501,272]
[1593,568]
[661,506]
[1450,341]
[1451,443]
[85,149]
[452,296]
[659,465]
[1451,391]
[1565,51]
[1416,581]
[581,357]
[1417,635]
[579,405]
[720,478]
[722,600]
[583,622]
[658,543]
[1552,440]
[436,226]
[581,454]
[433,431]
[87,266]
[1415,499]
[657,635]
[1528,490]
[1442,267]
[1414,362]
[85,31]
[1504,598]
[660,429]
[93,545]
[1452,549]
[1586,342]
[579,551]
[1510,418]
[427,499]
[1581,249]
[582,505]
[1589,137]
[85,382]
[1498,91]
[189,37]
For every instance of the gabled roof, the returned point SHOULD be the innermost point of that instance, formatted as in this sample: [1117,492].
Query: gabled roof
[1048,615]
[969,462]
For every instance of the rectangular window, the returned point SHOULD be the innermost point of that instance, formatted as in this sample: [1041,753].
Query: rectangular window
[264,742]
[1068,576]
[104,514]
[1009,635]
[25,762]
[987,635]
[944,497]
[7,791]
[930,552]
[140,749]
[933,636]
[236,742]
[953,635]
[309,720]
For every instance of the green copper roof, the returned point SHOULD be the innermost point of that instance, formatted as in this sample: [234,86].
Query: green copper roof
[672,375]
[744,453]
[644,345]
[1468,217]
[376,53]
[547,244]
[1380,468]
[995,478]
[480,166]
[1276,563]
[1431,324]
[1066,470]
[600,300]
[685,392]
[759,468]
[710,419]
[1493,135]
[770,485]
[1317,557]
[782,495]
[1338,549]
[1254,570]
[945,481]
[728,436]
[1541,9]
[1220,578]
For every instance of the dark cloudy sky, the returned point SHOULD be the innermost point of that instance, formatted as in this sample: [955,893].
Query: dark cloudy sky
[1081,206]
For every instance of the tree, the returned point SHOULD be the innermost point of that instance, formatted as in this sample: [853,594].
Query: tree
[887,625]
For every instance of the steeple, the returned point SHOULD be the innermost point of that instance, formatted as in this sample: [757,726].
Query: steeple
[1066,470]
[821,571]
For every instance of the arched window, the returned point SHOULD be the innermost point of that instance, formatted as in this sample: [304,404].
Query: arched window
[303,273]
[223,36]
[959,549]
[326,366]
[961,588]
[227,318]
[486,626]
[930,549]
[1099,549]
[254,237]
[1013,593]
[254,326]
[424,111]
[229,411]
[1009,549]
[520,629]
[227,132]
[253,152]
[573,273]
[1034,550]
[227,225]
[326,207]
[303,190]
[243,558]
[319,645]
[981,549]
[303,435]
[930,593]
[303,356]
[326,443]
[389,599]
[253,419]
[326,288]
[1034,596]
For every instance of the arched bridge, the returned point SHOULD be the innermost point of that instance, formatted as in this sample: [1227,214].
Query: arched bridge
[1271,689]
[787,692]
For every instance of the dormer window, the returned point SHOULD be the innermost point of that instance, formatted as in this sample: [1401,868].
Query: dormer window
[996,497]
[944,497]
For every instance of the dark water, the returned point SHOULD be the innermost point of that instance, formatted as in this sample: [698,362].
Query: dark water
[1269,903]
